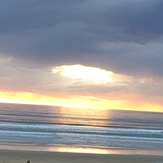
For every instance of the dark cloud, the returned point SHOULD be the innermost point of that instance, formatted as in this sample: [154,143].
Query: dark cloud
[123,36]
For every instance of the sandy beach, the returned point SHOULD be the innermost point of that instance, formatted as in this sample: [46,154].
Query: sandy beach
[55,157]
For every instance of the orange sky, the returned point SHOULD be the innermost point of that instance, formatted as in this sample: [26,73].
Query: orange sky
[84,102]
[90,91]
[91,54]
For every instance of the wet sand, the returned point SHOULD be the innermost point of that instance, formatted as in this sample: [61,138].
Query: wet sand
[56,157]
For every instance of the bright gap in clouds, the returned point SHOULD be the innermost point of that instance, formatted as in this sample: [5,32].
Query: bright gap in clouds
[91,74]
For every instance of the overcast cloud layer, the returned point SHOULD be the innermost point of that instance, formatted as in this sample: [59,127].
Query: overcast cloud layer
[123,36]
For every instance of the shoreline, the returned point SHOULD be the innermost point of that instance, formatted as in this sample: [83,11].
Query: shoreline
[19,156]
[77,150]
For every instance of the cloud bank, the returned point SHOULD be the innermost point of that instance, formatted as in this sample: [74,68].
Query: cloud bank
[121,36]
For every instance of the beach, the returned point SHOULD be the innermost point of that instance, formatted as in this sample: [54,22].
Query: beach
[58,129]
[60,157]
[46,134]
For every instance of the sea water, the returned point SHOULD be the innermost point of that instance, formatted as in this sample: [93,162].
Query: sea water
[51,128]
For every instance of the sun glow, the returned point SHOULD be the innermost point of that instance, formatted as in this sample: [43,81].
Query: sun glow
[91,74]
[81,102]
[78,150]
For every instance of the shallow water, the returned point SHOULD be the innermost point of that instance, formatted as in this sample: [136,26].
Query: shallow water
[49,128]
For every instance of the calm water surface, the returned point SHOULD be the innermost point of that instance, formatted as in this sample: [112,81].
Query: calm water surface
[49,128]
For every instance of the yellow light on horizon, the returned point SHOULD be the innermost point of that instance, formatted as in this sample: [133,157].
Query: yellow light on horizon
[91,74]
[81,102]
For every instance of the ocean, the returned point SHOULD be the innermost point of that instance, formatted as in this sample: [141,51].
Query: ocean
[60,129]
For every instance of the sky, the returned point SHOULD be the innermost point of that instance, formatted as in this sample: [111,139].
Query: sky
[82,53]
